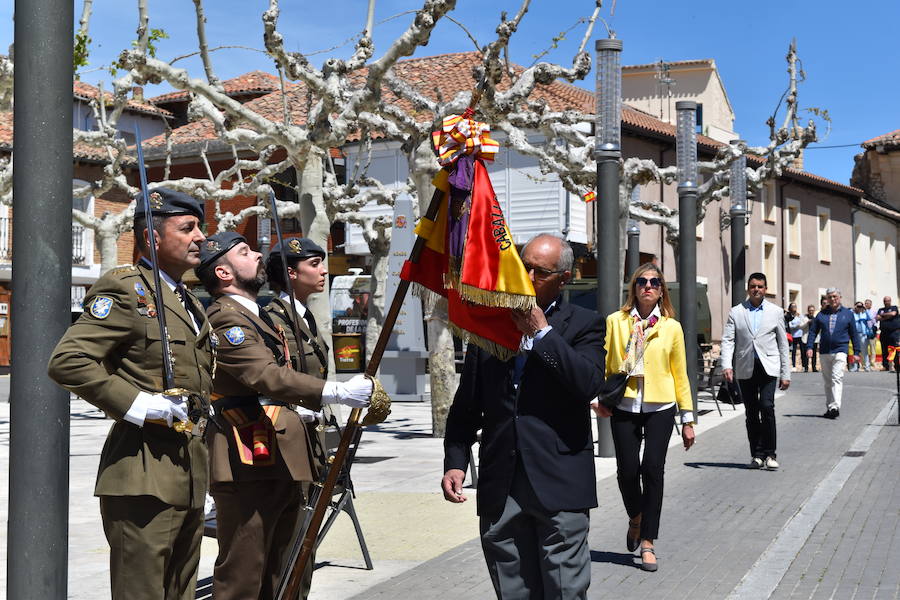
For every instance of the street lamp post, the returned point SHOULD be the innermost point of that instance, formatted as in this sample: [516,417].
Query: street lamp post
[633,250]
[37,542]
[607,153]
[738,214]
[686,157]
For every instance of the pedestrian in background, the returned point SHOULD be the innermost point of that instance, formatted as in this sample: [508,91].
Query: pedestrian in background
[861,322]
[813,361]
[644,339]
[889,323]
[755,352]
[836,330]
[872,340]
[795,326]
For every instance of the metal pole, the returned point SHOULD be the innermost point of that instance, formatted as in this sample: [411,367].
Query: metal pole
[633,251]
[686,150]
[607,152]
[38,512]
[738,214]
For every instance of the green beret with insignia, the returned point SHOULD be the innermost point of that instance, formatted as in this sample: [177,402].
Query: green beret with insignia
[166,202]
[297,248]
[216,245]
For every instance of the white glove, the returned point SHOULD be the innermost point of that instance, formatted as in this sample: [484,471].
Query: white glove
[308,416]
[157,407]
[355,392]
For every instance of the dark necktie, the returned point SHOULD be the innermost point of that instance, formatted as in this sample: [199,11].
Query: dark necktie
[181,294]
[310,320]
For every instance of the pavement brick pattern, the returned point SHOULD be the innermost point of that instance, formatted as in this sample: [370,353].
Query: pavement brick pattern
[719,516]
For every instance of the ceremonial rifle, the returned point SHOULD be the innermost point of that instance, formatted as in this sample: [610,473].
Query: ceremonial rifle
[289,588]
[168,370]
[288,288]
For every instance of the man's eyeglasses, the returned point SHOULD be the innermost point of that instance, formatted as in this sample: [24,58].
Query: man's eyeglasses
[654,282]
[539,272]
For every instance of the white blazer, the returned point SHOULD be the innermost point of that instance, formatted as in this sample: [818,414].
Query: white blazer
[769,342]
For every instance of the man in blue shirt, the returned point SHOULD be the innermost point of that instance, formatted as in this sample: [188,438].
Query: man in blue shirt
[835,327]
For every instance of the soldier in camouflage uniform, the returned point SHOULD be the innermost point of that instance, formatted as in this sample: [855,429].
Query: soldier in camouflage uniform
[152,478]
[259,447]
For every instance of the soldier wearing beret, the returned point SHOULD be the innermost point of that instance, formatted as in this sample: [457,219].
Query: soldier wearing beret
[152,477]
[259,447]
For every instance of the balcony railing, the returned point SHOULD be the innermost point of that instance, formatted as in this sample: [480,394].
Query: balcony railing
[80,247]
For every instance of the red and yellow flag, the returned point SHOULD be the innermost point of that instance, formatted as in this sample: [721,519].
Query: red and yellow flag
[469,256]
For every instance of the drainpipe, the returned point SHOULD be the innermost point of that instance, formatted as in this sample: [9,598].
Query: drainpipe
[783,252]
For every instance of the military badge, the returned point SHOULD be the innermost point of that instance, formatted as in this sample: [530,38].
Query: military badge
[101,306]
[156,201]
[213,339]
[212,245]
[151,311]
[235,335]
[294,246]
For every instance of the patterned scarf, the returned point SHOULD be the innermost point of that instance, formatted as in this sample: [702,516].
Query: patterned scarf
[634,349]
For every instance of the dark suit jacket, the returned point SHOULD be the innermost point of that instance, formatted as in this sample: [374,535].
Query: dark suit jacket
[546,422]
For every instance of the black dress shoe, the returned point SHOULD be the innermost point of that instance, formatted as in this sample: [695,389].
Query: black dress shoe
[831,413]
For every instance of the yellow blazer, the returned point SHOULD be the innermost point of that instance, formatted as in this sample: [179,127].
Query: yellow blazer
[665,371]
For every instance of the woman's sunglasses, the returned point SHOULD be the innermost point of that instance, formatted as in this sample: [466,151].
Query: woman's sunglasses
[654,282]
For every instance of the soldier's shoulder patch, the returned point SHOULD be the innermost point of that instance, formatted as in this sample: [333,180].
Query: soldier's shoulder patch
[100,306]
[235,335]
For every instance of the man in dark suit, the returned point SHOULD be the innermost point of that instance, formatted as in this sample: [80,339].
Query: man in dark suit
[537,479]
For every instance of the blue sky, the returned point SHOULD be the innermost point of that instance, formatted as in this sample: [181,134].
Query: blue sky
[848,50]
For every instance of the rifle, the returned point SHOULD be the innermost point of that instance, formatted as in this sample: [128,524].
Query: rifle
[168,370]
[288,288]
[289,587]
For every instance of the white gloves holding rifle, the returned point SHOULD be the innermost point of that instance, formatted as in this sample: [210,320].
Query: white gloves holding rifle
[355,392]
[157,407]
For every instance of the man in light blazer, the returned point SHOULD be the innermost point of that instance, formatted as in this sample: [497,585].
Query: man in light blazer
[755,351]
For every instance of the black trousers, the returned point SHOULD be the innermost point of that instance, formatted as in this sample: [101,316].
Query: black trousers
[798,346]
[812,360]
[641,481]
[758,393]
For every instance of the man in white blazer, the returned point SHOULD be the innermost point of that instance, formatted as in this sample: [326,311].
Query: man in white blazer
[755,352]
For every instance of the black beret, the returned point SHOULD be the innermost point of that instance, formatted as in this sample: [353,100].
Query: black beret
[216,245]
[297,248]
[166,202]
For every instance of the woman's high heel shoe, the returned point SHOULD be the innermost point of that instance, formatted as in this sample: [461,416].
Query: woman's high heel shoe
[633,541]
[648,566]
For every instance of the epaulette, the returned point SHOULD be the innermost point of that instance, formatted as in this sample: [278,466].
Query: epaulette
[122,270]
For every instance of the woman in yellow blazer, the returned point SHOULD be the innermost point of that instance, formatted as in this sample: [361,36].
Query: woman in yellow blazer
[645,341]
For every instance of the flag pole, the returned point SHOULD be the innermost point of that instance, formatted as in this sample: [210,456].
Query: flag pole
[289,586]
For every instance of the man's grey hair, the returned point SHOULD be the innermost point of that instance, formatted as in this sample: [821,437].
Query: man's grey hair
[833,291]
[566,254]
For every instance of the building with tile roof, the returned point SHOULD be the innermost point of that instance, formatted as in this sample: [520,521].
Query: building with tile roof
[89,162]
[800,229]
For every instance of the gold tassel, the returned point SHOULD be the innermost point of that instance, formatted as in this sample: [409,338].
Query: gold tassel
[495,349]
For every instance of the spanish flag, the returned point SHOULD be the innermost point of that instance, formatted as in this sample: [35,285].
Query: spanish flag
[469,256]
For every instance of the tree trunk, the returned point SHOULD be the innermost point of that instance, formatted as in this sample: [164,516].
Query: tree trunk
[377,308]
[442,367]
[108,247]
[441,354]
[316,226]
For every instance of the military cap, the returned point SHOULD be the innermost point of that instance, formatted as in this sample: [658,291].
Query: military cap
[167,202]
[216,245]
[297,248]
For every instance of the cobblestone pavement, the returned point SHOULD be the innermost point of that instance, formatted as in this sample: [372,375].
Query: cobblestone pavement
[823,526]
[731,531]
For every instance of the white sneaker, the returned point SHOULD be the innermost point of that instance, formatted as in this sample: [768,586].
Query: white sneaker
[771,463]
[756,463]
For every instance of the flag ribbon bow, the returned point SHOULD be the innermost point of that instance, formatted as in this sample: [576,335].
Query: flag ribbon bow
[461,135]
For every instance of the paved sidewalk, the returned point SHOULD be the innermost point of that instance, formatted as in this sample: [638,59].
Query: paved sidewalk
[719,517]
